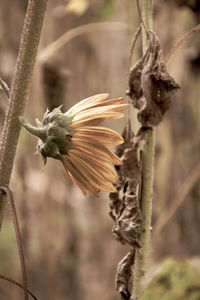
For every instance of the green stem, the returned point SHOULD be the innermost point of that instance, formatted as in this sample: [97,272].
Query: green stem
[141,260]
[19,90]
[147,16]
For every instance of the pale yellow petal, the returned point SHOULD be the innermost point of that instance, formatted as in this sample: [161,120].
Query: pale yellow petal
[83,104]
[105,135]
[99,112]
[96,120]
[88,163]
[78,175]
[95,104]
[95,179]
[94,147]
[106,170]
[84,191]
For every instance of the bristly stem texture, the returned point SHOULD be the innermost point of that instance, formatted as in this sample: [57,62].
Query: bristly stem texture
[147,178]
[19,90]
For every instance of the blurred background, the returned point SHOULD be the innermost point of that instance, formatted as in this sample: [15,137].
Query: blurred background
[67,238]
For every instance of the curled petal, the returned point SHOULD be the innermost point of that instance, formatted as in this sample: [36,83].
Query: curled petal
[95,179]
[105,135]
[78,177]
[85,103]
[100,112]
[94,119]
[107,171]
[94,147]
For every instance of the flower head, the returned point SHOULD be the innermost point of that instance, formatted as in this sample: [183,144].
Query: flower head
[76,139]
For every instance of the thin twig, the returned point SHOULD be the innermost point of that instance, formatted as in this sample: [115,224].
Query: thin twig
[180,42]
[4,87]
[180,196]
[17,284]
[141,18]
[19,239]
[52,48]
[137,33]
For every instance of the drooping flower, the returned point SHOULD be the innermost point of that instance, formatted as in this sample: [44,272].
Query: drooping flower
[76,139]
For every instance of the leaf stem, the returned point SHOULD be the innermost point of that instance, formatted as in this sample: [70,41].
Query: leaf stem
[19,90]
[4,277]
[4,87]
[181,41]
[147,161]
[19,239]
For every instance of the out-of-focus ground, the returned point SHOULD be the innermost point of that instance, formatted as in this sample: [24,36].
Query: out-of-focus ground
[69,247]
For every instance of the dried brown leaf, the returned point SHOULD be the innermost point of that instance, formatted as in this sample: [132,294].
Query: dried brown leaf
[124,204]
[150,85]
[123,280]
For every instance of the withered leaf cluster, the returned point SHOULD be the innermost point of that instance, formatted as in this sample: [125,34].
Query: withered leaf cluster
[150,89]
[124,204]
[150,85]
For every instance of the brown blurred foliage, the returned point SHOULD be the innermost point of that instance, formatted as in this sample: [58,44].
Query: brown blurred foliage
[68,243]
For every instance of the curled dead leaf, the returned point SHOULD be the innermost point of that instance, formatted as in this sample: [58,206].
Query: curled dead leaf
[150,85]
[124,204]
[125,207]
[123,279]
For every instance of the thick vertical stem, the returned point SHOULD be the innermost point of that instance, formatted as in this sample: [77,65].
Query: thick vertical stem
[147,179]
[147,16]
[19,90]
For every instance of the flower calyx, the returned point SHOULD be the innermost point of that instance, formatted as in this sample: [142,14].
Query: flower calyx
[54,133]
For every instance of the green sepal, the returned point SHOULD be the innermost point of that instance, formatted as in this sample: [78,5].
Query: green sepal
[54,133]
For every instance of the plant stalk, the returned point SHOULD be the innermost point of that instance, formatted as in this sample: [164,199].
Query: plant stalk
[19,91]
[147,160]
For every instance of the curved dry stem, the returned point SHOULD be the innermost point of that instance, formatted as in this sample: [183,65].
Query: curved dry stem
[137,33]
[17,284]
[180,42]
[51,49]
[4,87]
[9,194]
[177,201]
[141,18]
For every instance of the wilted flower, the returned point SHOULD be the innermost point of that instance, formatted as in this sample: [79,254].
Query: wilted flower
[79,143]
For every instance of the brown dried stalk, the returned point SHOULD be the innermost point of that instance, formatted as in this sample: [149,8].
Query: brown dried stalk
[17,284]
[10,199]
[181,41]
[178,199]
[55,46]
[4,87]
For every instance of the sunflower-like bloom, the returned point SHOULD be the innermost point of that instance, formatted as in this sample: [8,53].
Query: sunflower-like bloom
[79,143]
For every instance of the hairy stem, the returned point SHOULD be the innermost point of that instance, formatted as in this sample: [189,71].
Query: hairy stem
[19,90]
[147,178]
